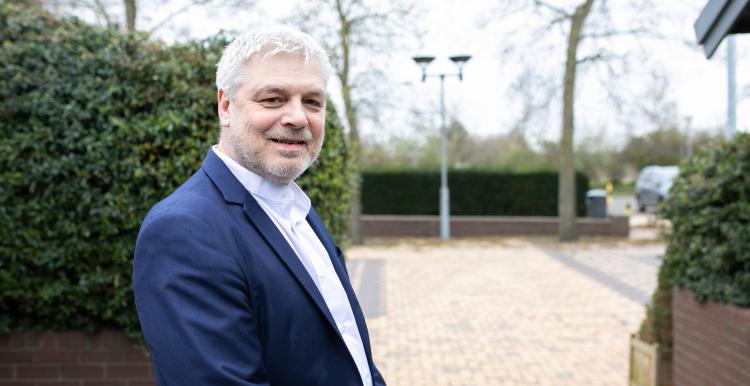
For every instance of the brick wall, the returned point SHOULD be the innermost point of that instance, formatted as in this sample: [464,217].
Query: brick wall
[108,358]
[467,226]
[711,342]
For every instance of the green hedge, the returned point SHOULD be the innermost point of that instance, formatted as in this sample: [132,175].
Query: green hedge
[472,192]
[97,126]
[656,327]
[709,207]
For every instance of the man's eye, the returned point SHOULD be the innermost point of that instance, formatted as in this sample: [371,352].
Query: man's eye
[272,101]
[314,102]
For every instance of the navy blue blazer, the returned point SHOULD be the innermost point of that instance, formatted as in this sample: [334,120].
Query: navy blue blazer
[223,299]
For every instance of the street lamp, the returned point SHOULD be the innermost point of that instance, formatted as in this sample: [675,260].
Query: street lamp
[424,61]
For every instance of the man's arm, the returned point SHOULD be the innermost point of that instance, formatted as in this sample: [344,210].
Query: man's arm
[194,306]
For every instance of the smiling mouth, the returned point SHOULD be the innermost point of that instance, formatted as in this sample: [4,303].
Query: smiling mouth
[287,141]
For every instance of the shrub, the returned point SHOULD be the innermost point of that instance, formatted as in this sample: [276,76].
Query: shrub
[97,127]
[709,207]
[326,182]
[708,249]
[657,326]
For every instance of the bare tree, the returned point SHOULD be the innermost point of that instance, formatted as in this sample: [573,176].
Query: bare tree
[567,186]
[131,11]
[596,37]
[357,33]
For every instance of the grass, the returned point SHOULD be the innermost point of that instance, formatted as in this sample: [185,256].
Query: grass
[619,189]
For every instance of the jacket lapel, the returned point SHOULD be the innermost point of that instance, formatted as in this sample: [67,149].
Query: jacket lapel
[234,192]
[338,264]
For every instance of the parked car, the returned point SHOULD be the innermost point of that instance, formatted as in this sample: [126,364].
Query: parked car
[653,185]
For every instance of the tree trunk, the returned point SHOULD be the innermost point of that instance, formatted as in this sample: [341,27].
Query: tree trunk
[130,11]
[567,188]
[355,200]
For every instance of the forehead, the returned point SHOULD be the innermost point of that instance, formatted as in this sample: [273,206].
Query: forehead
[283,69]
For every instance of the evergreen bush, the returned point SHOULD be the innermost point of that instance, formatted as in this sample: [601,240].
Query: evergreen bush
[708,250]
[97,127]
[709,208]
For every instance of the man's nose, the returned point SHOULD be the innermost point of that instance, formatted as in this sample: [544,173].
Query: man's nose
[294,115]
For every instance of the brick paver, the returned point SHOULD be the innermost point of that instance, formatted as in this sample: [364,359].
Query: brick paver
[503,311]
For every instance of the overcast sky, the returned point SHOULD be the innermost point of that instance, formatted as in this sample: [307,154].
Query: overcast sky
[482,102]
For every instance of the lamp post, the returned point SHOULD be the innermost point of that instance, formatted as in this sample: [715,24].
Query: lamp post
[731,82]
[424,61]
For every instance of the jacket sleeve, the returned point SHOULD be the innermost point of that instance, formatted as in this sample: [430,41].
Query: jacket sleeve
[377,378]
[194,305]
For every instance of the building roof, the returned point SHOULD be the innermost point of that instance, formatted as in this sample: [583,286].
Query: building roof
[720,18]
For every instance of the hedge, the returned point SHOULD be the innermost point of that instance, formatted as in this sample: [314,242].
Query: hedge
[708,246]
[708,249]
[472,192]
[97,127]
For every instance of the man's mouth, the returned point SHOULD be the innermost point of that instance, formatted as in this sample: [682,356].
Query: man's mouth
[285,141]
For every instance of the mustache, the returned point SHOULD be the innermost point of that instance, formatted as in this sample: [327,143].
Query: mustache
[290,135]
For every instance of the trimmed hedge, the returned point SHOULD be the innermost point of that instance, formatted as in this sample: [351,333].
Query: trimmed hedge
[709,207]
[656,327]
[97,127]
[472,192]
[708,248]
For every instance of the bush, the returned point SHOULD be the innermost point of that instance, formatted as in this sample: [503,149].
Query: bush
[709,207]
[326,182]
[97,127]
[657,326]
[472,192]
[708,247]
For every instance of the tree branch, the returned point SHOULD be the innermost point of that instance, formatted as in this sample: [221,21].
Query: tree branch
[559,11]
[102,11]
[608,34]
[171,16]
[598,57]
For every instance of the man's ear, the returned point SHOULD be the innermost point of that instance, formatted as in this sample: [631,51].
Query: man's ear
[223,107]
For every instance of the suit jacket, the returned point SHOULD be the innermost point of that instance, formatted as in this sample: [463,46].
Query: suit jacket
[223,299]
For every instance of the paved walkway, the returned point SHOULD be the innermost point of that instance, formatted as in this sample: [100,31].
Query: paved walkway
[503,311]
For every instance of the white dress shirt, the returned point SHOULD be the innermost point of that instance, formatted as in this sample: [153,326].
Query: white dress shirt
[287,206]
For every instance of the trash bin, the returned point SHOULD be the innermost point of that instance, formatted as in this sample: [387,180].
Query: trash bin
[596,203]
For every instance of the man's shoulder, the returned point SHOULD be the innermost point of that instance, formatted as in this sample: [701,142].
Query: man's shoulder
[197,197]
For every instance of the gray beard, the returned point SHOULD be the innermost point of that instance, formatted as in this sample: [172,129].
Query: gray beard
[252,160]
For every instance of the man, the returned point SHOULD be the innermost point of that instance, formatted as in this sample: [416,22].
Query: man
[237,281]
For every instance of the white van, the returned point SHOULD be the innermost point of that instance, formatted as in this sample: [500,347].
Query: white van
[653,185]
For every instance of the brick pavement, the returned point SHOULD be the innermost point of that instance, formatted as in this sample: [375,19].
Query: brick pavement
[503,311]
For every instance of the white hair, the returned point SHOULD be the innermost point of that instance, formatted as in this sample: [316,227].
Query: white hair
[268,41]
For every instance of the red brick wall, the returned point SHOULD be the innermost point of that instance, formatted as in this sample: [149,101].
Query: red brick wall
[108,358]
[467,226]
[711,342]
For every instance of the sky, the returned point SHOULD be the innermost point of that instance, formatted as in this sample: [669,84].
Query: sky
[482,101]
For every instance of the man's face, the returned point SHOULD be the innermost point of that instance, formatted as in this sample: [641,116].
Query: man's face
[274,124]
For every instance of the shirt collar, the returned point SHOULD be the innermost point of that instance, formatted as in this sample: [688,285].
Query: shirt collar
[287,200]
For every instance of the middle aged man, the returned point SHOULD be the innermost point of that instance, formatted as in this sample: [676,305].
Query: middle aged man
[237,281]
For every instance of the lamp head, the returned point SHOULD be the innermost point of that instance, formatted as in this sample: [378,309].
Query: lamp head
[460,60]
[423,61]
